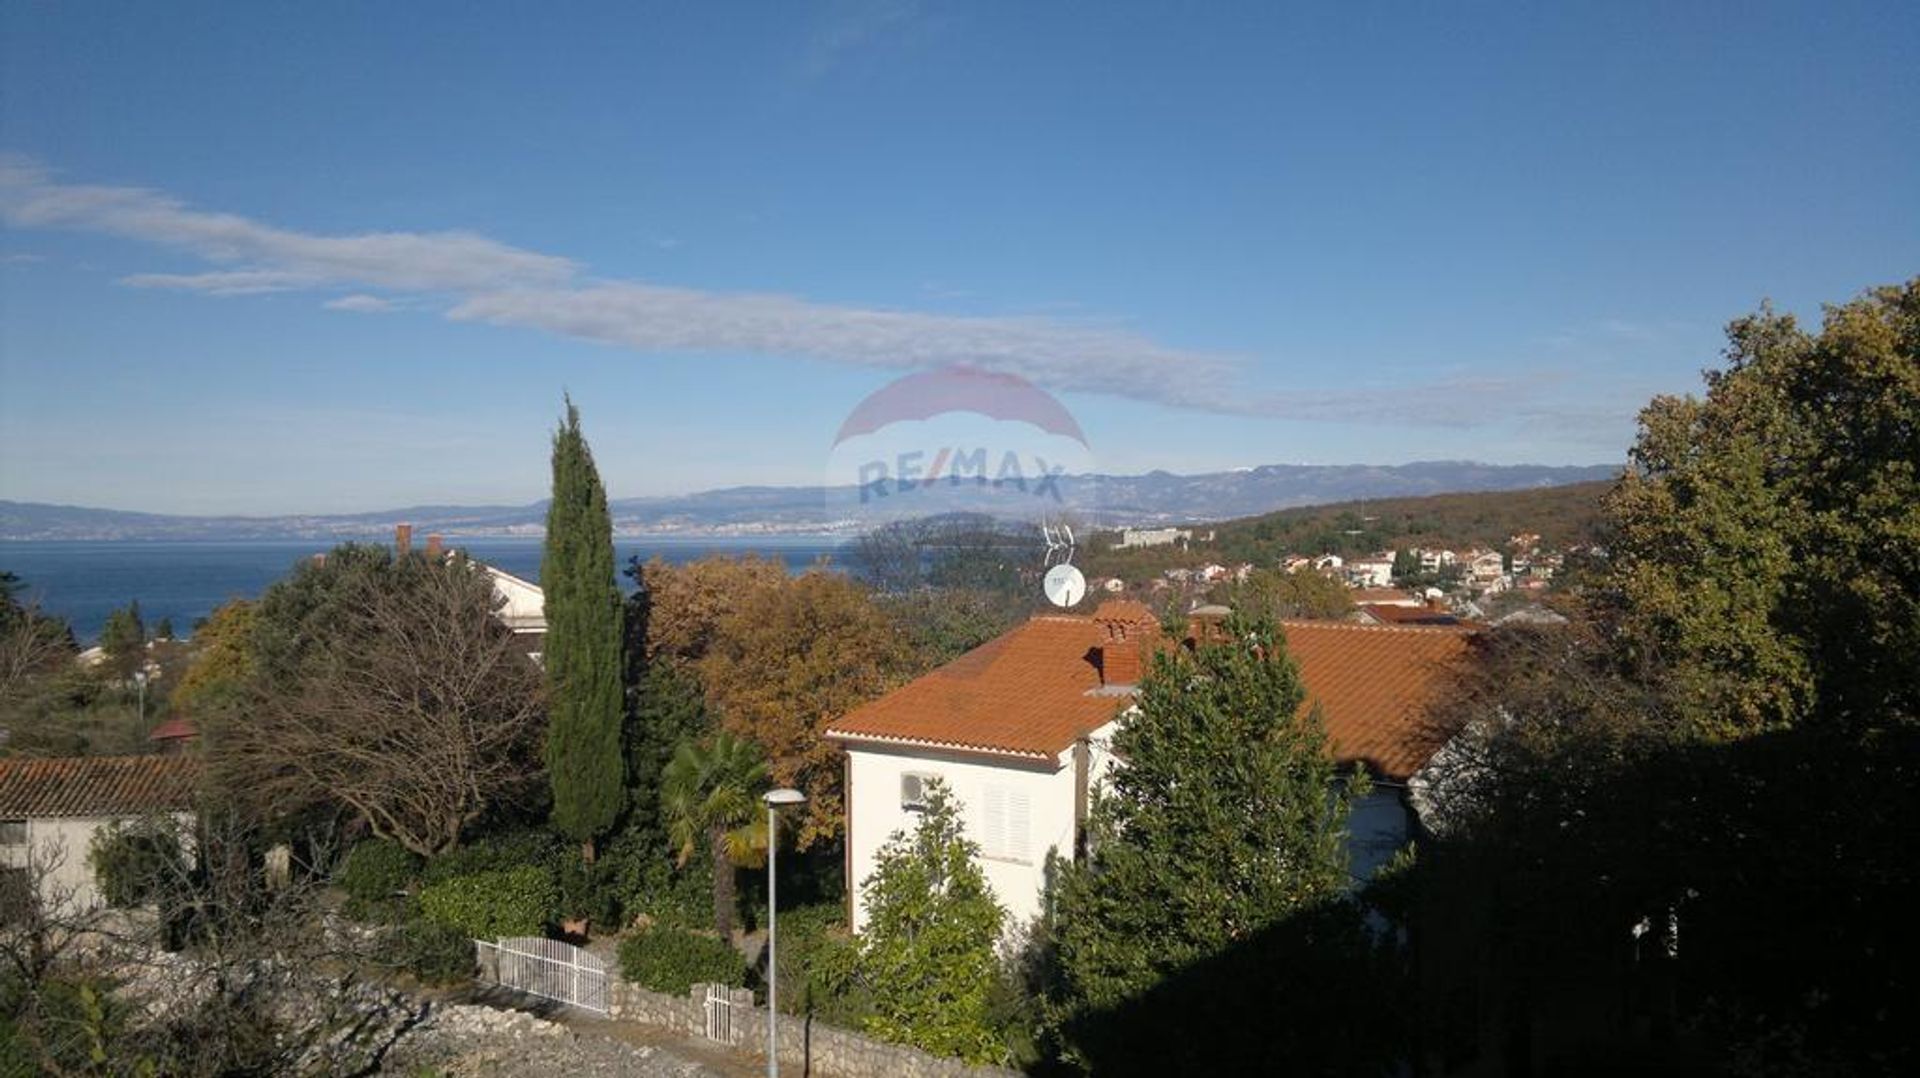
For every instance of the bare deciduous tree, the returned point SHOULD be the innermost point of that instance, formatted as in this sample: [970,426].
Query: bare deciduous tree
[230,972]
[417,708]
[30,645]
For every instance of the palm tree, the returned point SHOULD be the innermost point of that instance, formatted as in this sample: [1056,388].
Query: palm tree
[711,792]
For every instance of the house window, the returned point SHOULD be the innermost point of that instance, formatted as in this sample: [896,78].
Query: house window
[1004,824]
[13,832]
[16,894]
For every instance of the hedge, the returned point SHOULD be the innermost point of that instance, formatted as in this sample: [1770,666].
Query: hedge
[487,905]
[497,853]
[436,954]
[672,960]
[376,869]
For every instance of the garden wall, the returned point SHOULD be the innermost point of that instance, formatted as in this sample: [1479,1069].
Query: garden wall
[810,1046]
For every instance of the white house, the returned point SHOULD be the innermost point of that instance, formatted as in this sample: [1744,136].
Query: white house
[1020,728]
[1484,567]
[523,606]
[50,810]
[1139,537]
[1375,571]
[1385,597]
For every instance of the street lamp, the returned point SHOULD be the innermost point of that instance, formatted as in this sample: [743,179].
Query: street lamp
[140,679]
[774,799]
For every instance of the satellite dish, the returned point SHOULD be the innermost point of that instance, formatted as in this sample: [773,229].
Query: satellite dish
[1064,585]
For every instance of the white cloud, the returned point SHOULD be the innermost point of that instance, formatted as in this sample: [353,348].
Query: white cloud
[414,261]
[487,281]
[1058,355]
[225,282]
[359,301]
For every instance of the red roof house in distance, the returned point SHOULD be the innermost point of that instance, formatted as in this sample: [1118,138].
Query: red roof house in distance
[1019,730]
[174,735]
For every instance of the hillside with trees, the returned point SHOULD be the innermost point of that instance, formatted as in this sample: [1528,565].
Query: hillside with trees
[1562,516]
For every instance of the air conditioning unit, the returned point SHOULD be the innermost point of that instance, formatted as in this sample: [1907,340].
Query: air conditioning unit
[913,792]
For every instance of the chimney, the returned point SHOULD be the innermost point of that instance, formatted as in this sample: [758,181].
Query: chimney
[1121,642]
[1120,662]
[433,546]
[1208,624]
[402,538]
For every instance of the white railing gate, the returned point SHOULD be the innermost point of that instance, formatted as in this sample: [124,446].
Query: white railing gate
[545,968]
[720,1001]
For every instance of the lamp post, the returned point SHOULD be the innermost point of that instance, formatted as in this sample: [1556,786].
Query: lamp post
[140,679]
[775,799]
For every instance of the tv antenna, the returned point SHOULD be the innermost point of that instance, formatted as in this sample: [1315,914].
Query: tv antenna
[1064,585]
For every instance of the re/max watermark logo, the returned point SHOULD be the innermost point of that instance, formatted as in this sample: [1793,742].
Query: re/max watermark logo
[917,470]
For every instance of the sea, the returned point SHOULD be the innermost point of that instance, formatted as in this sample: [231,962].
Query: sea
[83,582]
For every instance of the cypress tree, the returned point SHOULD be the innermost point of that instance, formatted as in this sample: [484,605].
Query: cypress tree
[582,647]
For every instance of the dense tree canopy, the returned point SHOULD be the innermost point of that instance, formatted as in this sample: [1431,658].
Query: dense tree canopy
[124,639]
[686,603]
[1277,594]
[221,663]
[1227,816]
[1766,525]
[1674,833]
[788,660]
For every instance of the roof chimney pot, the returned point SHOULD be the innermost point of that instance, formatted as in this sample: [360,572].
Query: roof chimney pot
[402,538]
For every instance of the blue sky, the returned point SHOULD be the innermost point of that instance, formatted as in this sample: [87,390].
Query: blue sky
[276,257]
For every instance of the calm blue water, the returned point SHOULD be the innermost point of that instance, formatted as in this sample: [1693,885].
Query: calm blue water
[84,582]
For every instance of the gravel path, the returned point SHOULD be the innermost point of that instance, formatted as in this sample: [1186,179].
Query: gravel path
[468,1040]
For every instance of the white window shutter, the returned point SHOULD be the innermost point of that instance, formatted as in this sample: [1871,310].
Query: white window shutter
[993,831]
[1017,825]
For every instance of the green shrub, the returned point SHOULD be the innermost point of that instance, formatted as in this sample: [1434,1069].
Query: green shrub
[498,853]
[487,905]
[434,953]
[588,891]
[375,870]
[646,882]
[817,960]
[669,959]
[137,863]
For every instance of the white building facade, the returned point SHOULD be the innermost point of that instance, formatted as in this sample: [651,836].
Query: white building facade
[1020,731]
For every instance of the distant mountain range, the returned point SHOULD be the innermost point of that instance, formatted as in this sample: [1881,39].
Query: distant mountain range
[1108,500]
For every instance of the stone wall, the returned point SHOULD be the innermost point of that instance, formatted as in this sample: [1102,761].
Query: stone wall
[808,1046]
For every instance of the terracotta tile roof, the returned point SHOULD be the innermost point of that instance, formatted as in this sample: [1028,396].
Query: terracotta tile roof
[1030,692]
[1387,614]
[1035,689]
[1374,684]
[96,785]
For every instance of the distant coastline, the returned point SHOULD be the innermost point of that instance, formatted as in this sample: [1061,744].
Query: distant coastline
[799,513]
[184,580]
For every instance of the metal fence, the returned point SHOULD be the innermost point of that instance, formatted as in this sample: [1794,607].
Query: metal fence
[545,968]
